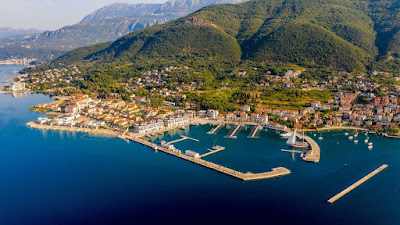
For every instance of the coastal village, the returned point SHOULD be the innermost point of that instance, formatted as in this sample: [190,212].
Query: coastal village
[379,113]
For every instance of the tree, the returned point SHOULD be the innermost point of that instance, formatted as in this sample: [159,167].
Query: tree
[156,101]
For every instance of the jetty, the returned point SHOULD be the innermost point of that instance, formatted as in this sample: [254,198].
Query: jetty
[275,172]
[312,155]
[358,183]
[254,131]
[182,139]
[216,129]
[291,151]
[219,148]
[232,134]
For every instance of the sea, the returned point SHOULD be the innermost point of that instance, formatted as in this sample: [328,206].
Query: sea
[58,177]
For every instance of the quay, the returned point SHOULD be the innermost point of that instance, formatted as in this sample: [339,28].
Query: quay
[182,139]
[254,131]
[213,151]
[232,135]
[358,183]
[216,129]
[275,172]
[312,155]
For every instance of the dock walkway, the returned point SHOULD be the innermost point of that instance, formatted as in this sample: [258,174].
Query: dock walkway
[212,152]
[216,129]
[232,135]
[356,184]
[182,139]
[254,131]
[276,172]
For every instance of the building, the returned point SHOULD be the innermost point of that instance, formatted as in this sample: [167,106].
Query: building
[17,86]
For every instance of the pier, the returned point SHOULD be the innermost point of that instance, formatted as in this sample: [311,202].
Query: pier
[312,155]
[358,183]
[182,139]
[275,172]
[291,151]
[232,135]
[254,131]
[216,129]
[219,148]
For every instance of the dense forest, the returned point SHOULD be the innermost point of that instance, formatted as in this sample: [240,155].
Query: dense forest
[343,34]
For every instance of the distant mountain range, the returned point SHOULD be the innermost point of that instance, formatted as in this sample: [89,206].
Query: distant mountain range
[342,34]
[8,31]
[106,24]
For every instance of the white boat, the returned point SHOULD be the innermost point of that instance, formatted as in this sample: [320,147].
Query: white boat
[355,141]
[347,134]
[286,135]
[351,138]
[293,143]
[370,144]
[366,141]
[356,135]
[182,128]
[370,147]
[320,137]
[148,135]
[160,133]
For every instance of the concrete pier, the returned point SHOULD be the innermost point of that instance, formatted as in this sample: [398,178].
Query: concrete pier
[292,151]
[358,183]
[276,172]
[314,154]
[214,130]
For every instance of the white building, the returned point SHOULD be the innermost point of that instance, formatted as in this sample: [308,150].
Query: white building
[213,114]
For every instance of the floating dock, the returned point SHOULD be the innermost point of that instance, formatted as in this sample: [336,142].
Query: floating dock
[275,172]
[216,129]
[182,139]
[358,183]
[254,131]
[232,135]
[220,148]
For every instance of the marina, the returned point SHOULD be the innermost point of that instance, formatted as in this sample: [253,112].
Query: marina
[233,132]
[215,130]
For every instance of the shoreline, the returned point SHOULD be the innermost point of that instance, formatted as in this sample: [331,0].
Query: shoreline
[72,129]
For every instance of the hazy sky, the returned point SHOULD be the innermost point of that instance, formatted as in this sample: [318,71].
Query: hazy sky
[51,14]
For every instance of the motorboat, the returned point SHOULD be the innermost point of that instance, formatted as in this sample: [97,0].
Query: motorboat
[286,135]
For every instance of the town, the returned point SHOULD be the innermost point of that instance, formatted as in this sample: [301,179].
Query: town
[356,100]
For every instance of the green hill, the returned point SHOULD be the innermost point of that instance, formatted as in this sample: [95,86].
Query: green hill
[345,34]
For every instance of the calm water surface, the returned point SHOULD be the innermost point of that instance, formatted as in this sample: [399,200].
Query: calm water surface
[52,177]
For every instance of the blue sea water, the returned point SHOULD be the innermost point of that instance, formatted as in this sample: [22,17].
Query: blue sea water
[54,177]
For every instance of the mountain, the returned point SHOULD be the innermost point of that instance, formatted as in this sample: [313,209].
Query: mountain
[344,34]
[8,31]
[106,24]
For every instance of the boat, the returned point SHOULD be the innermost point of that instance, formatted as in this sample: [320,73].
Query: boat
[370,147]
[370,144]
[286,135]
[293,143]
[160,133]
[356,135]
[182,128]
[347,134]
[320,137]
[366,141]
[355,141]
[148,135]
[351,138]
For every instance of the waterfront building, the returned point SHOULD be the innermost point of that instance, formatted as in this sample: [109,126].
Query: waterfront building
[211,113]
[17,86]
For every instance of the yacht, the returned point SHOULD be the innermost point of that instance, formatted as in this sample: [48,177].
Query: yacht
[320,137]
[293,143]
[347,134]
[366,141]
[355,141]
[182,128]
[286,135]
[351,138]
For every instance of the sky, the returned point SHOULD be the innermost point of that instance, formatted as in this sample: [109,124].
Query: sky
[51,14]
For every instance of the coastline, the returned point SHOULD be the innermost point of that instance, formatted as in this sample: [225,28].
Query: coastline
[73,129]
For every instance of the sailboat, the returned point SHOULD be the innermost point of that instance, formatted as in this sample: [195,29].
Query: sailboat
[215,147]
[320,137]
[293,143]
